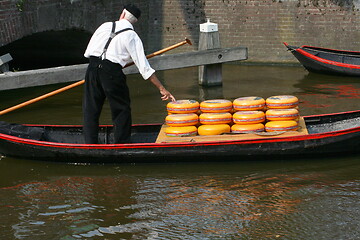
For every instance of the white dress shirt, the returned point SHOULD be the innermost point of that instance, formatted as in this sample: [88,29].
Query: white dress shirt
[124,48]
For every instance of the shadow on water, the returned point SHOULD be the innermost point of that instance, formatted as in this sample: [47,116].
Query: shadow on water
[20,171]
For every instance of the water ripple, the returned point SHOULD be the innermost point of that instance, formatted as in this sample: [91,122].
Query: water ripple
[269,204]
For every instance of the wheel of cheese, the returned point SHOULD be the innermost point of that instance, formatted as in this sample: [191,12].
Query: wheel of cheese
[216,105]
[186,131]
[183,106]
[282,101]
[249,103]
[248,117]
[247,128]
[214,129]
[282,114]
[215,118]
[179,120]
[289,125]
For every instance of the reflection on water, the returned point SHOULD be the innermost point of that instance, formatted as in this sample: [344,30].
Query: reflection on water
[302,199]
[329,92]
[317,93]
[263,200]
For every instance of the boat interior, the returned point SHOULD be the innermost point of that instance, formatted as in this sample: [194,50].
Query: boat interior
[336,56]
[73,134]
[155,132]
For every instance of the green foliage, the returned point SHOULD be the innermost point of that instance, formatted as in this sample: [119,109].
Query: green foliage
[20,5]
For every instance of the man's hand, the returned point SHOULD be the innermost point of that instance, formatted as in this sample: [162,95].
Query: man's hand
[166,95]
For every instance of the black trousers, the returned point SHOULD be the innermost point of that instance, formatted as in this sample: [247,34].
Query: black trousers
[105,79]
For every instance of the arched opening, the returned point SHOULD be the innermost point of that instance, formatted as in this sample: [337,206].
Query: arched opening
[47,49]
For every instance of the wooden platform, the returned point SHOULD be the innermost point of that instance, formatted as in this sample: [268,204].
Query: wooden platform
[162,138]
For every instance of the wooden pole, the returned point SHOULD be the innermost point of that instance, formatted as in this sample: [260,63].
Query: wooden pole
[186,41]
[209,75]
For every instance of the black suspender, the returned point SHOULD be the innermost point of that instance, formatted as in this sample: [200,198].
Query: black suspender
[112,35]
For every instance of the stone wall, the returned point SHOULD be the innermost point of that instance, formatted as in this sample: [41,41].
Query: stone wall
[261,25]
[19,18]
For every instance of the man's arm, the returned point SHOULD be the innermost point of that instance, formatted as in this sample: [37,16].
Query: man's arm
[165,94]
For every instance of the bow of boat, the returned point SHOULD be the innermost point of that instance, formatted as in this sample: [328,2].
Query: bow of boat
[289,47]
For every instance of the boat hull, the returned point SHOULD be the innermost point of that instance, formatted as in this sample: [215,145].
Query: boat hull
[315,145]
[329,135]
[327,61]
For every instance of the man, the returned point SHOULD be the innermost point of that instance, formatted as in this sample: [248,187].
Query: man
[111,47]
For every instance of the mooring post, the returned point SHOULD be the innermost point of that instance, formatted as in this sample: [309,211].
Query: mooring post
[209,75]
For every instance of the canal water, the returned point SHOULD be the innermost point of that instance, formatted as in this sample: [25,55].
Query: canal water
[277,199]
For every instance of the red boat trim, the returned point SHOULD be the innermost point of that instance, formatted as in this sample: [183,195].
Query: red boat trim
[309,55]
[331,114]
[331,50]
[178,144]
[192,144]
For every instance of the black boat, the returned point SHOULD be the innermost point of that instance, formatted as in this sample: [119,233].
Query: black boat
[327,61]
[320,135]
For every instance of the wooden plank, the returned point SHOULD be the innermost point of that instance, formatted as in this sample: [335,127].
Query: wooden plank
[41,77]
[162,138]
[64,74]
[196,58]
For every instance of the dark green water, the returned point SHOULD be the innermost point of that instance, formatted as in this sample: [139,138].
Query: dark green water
[284,199]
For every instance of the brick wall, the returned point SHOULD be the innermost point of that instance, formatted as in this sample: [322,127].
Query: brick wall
[261,25]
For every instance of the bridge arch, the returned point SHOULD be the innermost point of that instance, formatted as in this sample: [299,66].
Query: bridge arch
[260,25]
[24,17]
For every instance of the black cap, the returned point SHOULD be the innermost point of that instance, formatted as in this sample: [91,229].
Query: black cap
[134,10]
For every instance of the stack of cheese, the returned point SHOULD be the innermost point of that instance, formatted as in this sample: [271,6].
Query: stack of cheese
[188,117]
[215,117]
[249,115]
[243,115]
[282,113]
[182,118]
